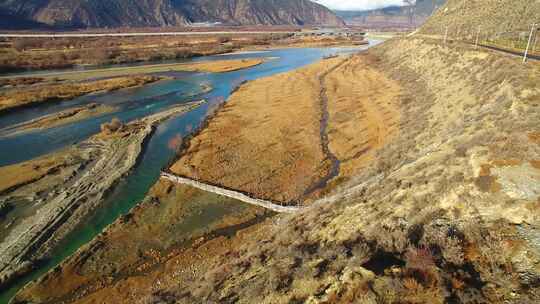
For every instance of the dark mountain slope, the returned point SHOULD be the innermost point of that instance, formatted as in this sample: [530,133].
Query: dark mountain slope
[116,13]
[393,15]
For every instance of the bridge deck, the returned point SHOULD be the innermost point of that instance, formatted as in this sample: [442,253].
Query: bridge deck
[230,193]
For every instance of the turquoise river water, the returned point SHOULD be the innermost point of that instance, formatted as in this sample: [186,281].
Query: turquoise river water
[134,104]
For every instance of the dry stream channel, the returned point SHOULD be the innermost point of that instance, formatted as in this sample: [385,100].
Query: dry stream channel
[130,105]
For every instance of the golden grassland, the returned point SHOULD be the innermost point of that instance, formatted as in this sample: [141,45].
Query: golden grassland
[221,66]
[27,172]
[267,139]
[422,222]
[364,113]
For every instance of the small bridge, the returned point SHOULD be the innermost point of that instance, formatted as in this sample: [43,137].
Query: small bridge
[229,193]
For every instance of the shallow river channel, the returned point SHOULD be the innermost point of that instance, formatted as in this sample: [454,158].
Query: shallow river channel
[134,104]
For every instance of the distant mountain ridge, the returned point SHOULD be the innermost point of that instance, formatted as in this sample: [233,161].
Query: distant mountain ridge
[397,16]
[145,13]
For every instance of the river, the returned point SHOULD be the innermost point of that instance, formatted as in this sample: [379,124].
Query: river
[133,104]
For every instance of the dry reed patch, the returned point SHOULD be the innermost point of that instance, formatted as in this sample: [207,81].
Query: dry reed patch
[222,66]
[364,112]
[23,173]
[266,140]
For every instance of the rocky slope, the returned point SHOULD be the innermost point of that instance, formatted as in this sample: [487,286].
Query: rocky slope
[117,13]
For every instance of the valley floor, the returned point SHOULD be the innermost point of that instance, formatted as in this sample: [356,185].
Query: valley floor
[419,162]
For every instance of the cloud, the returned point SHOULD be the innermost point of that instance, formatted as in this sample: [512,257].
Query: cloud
[358,5]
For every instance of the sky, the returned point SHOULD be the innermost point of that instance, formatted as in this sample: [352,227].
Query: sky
[356,5]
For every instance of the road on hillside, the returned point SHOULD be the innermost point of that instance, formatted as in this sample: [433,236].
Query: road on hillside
[511,52]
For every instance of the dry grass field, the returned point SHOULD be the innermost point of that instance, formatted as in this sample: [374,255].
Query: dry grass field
[265,140]
[276,137]
[364,113]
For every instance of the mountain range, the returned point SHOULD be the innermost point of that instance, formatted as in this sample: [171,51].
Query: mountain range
[393,16]
[155,13]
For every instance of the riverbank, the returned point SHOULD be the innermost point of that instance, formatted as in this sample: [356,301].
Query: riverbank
[15,98]
[218,66]
[42,53]
[60,189]
[288,156]
[160,147]
[59,119]
[175,227]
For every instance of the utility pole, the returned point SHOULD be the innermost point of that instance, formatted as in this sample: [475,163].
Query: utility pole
[533,28]
[411,5]
[477,37]
[535,42]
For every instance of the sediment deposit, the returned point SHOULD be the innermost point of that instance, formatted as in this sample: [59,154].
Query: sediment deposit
[14,98]
[69,185]
[61,118]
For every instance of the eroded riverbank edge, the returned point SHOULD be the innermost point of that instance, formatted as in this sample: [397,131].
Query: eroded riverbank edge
[100,162]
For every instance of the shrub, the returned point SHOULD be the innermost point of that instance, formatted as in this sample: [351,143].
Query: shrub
[419,258]
[22,44]
[223,39]
[114,126]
